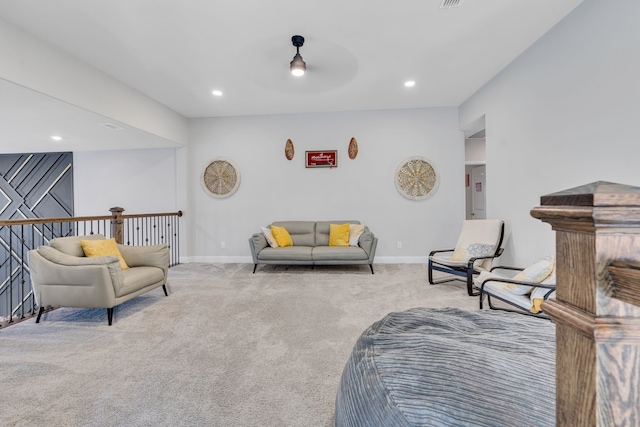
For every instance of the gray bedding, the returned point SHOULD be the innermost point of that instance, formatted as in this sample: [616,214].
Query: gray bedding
[450,367]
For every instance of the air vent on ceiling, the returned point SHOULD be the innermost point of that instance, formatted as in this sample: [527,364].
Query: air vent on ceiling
[448,4]
[111,126]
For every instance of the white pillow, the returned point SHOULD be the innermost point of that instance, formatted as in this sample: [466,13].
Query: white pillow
[355,231]
[466,251]
[535,273]
[269,236]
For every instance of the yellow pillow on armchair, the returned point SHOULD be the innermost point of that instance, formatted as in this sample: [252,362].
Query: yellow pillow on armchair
[102,247]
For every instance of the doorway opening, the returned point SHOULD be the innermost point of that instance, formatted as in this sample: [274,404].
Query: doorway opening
[475,165]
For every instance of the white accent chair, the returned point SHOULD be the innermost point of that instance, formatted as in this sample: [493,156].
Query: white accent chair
[525,290]
[479,244]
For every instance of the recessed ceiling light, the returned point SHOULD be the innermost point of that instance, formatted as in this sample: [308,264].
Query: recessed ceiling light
[217,92]
[410,83]
[56,138]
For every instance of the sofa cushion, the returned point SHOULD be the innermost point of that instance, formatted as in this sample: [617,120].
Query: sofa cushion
[323,229]
[137,278]
[57,257]
[355,231]
[282,236]
[268,234]
[339,234]
[71,245]
[147,255]
[302,232]
[342,253]
[290,253]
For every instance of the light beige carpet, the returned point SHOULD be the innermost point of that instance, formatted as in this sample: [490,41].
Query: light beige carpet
[225,348]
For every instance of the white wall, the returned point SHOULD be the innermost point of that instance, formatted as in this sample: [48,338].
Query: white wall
[563,114]
[475,151]
[273,188]
[140,181]
[38,65]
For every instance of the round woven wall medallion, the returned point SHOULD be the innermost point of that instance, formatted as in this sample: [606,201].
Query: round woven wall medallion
[221,178]
[416,179]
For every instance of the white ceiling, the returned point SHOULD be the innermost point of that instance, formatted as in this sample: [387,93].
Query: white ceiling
[358,52]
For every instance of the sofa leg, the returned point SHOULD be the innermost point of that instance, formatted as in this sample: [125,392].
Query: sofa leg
[164,288]
[40,311]
[110,315]
[254,268]
[371,267]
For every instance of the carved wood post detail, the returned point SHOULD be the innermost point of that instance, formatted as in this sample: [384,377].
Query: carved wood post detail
[116,224]
[596,311]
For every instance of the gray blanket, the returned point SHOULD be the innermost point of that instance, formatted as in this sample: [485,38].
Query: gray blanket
[450,367]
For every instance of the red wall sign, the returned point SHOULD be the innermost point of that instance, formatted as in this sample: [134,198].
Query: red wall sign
[321,159]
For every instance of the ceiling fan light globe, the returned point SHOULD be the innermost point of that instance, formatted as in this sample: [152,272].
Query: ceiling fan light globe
[298,66]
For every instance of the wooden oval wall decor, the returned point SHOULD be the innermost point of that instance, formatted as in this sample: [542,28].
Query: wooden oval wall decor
[353,148]
[288,149]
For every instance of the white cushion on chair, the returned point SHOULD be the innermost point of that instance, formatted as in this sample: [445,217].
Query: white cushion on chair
[535,273]
[448,261]
[479,237]
[484,276]
[498,290]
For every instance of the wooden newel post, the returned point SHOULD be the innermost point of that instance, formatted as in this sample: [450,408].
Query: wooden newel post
[116,224]
[597,309]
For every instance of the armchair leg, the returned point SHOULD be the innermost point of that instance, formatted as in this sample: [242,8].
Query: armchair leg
[110,315]
[40,311]
[254,268]
[164,288]
[371,267]
[470,290]
[430,273]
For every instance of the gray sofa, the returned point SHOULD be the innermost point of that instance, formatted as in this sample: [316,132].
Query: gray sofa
[62,276]
[311,246]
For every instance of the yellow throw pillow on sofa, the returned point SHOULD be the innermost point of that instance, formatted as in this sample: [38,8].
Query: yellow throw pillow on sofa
[282,236]
[95,248]
[339,234]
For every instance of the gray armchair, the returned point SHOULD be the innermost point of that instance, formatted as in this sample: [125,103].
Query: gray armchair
[62,276]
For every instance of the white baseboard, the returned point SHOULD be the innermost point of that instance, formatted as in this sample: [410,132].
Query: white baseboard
[218,259]
[249,260]
[400,260]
